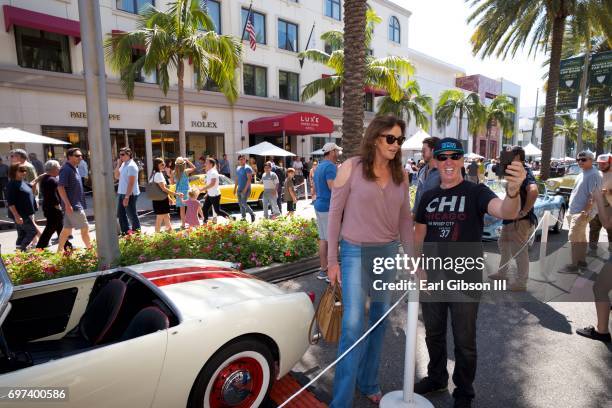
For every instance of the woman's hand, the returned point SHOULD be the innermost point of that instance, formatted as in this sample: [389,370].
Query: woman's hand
[19,220]
[333,273]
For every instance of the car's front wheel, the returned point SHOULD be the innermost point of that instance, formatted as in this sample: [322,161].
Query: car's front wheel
[239,375]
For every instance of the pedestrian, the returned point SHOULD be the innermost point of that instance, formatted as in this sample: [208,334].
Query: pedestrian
[603,284]
[579,211]
[161,208]
[289,192]
[299,169]
[182,169]
[19,156]
[213,194]
[323,181]
[38,165]
[472,172]
[194,209]
[369,210]
[169,171]
[242,188]
[270,183]
[311,173]
[126,171]
[515,234]
[595,225]
[224,166]
[51,204]
[70,189]
[253,165]
[277,168]
[4,170]
[447,215]
[83,170]
[306,173]
[22,205]
[428,176]
[201,165]
[490,170]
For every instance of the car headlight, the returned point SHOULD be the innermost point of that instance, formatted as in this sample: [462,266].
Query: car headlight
[550,183]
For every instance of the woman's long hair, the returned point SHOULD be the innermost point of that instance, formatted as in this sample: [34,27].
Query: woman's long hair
[179,169]
[156,162]
[368,151]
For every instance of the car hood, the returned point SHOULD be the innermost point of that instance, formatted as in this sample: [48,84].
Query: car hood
[195,286]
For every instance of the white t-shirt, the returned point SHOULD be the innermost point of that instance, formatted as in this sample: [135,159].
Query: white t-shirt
[298,166]
[211,175]
[128,169]
[158,178]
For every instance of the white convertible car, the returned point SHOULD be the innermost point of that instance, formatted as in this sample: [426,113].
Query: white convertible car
[165,334]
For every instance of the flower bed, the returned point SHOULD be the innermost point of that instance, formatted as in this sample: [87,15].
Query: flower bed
[281,240]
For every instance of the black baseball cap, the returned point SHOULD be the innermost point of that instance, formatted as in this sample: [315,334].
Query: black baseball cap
[448,144]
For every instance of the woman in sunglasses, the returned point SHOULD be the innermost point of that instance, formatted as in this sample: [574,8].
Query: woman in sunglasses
[22,205]
[369,209]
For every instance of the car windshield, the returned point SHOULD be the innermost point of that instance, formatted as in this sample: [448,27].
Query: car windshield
[224,180]
[573,170]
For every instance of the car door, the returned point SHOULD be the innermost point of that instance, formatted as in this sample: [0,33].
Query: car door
[123,374]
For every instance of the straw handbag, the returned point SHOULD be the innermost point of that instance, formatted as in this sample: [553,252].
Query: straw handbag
[328,316]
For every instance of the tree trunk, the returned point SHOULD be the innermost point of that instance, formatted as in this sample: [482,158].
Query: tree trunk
[354,70]
[488,138]
[601,119]
[460,124]
[551,93]
[181,107]
[474,142]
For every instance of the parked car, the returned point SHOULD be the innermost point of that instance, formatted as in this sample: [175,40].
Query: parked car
[564,185]
[174,333]
[226,187]
[545,202]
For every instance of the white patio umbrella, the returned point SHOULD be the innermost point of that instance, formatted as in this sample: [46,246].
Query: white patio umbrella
[415,142]
[266,149]
[14,135]
[473,156]
[532,150]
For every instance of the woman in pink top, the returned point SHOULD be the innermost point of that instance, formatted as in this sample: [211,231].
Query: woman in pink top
[370,210]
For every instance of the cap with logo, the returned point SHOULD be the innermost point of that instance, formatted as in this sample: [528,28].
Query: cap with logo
[328,147]
[604,158]
[449,144]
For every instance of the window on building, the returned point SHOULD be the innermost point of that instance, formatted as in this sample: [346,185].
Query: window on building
[255,80]
[370,52]
[42,50]
[368,102]
[134,6]
[209,84]
[289,86]
[141,76]
[394,29]
[332,9]
[334,98]
[259,22]
[287,36]
[213,8]
[329,49]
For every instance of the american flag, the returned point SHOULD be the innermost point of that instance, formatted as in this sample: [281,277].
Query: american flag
[250,28]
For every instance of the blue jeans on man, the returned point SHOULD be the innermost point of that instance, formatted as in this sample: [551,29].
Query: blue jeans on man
[360,366]
[123,213]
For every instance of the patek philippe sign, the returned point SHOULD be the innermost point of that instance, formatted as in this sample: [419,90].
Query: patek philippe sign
[83,115]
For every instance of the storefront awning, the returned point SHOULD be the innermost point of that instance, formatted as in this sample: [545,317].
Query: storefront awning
[40,21]
[298,123]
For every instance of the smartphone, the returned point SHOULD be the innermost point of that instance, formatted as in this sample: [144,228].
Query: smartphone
[505,159]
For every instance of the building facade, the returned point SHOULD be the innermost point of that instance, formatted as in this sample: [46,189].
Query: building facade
[42,89]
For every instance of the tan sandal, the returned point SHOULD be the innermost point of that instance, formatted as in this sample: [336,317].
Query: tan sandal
[375,398]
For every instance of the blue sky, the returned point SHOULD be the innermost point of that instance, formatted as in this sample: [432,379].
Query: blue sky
[439,28]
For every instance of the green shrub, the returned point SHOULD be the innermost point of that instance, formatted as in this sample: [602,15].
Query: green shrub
[250,245]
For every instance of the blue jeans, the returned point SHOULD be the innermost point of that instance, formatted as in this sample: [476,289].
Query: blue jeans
[123,213]
[360,366]
[242,202]
[25,233]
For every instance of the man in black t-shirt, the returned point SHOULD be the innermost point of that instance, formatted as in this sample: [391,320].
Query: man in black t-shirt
[515,234]
[51,203]
[449,221]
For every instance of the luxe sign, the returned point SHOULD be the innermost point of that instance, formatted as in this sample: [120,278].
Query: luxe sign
[309,122]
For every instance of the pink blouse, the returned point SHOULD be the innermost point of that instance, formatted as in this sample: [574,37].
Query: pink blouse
[362,212]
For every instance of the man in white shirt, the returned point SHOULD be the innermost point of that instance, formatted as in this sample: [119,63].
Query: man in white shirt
[126,171]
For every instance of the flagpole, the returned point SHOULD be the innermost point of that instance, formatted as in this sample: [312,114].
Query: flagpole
[307,43]
[246,21]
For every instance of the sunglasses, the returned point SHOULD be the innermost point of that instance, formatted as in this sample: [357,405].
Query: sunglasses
[583,159]
[392,139]
[454,156]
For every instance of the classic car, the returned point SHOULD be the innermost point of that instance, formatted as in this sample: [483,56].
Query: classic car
[564,185]
[175,333]
[545,202]
[226,187]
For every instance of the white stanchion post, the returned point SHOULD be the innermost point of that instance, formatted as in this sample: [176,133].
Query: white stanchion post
[305,189]
[406,398]
[543,244]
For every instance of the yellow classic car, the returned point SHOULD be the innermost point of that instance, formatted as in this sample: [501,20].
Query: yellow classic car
[564,185]
[226,187]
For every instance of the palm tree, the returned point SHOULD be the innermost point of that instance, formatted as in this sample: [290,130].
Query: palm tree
[500,113]
[505,26]
[452,101]
[568,129]
[184,32]
[413,104]
[363,70]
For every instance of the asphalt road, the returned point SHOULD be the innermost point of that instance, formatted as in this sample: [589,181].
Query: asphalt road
[528,352]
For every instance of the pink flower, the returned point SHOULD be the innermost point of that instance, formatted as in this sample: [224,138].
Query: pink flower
[142,258]
[287,253]
[176,250]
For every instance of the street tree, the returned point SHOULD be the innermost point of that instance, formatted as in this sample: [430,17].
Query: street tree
[413,105]
[505,26]
[185,32]
[454,101]
[500,113]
